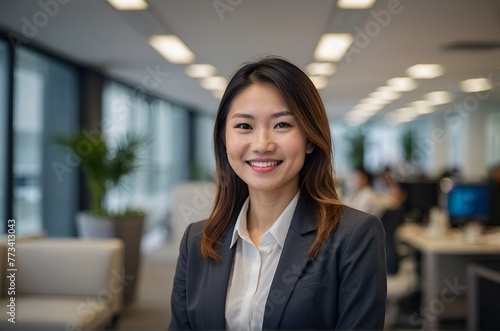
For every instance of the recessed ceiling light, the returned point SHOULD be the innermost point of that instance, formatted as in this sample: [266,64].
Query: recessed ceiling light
[438,97]
[475,85]
[355,4]
[319,81]
[425,71]
[200,70]
[128,4]
[214,83]
[367,107]
[172,48]
[317,69]
[402,84]
[385,95]
[359,115]
[422,107]
[332,46]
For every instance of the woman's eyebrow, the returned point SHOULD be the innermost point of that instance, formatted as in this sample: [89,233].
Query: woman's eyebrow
[282,113]
[242,115]
[274,115]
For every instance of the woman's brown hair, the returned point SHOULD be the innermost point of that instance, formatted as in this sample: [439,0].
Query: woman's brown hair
[316,180]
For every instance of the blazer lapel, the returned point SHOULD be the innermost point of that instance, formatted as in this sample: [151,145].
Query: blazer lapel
[217,283]
[292,262]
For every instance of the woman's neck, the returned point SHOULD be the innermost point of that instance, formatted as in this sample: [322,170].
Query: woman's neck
[264,210]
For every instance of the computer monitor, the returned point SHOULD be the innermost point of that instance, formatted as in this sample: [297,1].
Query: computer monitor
[495,205]
[421,196]
[470,202]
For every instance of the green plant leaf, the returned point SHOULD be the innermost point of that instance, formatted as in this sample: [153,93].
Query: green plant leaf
[104,167]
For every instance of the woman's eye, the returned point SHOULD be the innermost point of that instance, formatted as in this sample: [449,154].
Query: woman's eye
[282,125]
[243,126]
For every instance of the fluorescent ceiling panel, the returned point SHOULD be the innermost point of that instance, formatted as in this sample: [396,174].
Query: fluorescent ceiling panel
[200,70]
[475,85]
[425,71]
[355,4]
[332,46]
[128,4]
[172,48]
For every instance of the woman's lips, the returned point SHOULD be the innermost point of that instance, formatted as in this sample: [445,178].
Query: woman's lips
[264,166]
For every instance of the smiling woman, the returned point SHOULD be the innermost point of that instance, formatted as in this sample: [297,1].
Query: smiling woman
[265,145]
[279,251]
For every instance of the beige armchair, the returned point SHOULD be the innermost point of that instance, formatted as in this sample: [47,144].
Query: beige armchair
[63,284]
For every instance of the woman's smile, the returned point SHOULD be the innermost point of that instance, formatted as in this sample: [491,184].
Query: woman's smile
[264,165]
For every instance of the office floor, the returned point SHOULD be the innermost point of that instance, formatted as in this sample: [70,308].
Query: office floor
[151,308]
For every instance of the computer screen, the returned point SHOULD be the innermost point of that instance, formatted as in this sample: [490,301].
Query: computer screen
[469,202]
[421,196]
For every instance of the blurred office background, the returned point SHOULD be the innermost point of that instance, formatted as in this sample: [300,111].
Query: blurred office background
[410,85]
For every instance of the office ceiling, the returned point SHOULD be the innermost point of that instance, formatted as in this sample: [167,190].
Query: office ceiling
[93,33]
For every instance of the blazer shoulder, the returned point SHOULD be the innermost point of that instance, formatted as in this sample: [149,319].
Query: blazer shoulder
[353,219]
[194,231]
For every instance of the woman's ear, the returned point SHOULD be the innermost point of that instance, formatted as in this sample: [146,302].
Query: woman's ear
[309,147]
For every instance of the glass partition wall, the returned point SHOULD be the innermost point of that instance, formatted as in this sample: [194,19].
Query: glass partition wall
[165,159]
[45,105]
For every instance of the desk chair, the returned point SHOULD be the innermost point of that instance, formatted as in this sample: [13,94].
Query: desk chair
[402,279]
[391,220]
[399,286]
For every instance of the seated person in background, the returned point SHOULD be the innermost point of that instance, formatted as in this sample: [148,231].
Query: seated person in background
[494,173]
[385,203]
[365,198]
[384,181]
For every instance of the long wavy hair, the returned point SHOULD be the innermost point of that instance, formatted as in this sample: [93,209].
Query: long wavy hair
[316,178]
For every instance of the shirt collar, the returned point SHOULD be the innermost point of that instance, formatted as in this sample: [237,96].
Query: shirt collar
[278,230]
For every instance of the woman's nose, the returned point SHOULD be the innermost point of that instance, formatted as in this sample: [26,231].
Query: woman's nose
[263,142]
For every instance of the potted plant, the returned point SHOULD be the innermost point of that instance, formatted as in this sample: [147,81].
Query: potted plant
[104,168]
[407,142]
[356,151]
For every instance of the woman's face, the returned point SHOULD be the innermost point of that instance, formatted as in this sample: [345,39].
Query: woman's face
[265,146]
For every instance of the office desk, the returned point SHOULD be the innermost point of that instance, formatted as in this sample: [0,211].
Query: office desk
[444,270]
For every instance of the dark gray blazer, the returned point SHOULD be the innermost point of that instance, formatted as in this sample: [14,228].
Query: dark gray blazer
[343,288]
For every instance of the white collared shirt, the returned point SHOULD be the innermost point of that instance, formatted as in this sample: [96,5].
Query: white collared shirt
[253,269]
